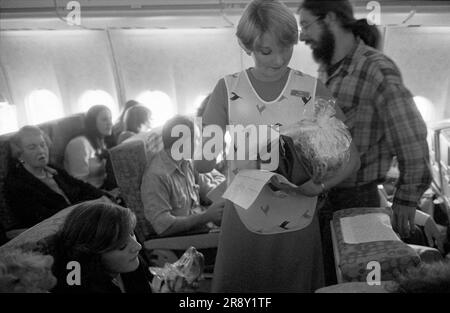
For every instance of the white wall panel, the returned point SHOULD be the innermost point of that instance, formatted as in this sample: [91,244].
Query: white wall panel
[423,56]
[64,62]
[181,63]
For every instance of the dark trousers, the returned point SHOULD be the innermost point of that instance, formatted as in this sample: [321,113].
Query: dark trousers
[339,199]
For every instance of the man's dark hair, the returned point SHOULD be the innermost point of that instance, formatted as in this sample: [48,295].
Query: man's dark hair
[168,139]
[344,12]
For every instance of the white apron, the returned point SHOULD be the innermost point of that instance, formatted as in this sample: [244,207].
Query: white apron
[270,213]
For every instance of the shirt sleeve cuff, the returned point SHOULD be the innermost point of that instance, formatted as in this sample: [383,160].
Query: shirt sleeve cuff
[162,222]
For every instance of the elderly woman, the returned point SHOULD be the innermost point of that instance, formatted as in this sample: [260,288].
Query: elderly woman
[36,190]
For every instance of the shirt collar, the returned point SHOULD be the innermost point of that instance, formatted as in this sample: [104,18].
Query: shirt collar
[170,164]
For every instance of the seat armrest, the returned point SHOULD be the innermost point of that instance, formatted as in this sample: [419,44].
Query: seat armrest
[199,241]
[14,233]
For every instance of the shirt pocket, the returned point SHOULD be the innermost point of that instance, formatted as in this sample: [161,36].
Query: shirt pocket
[180,203]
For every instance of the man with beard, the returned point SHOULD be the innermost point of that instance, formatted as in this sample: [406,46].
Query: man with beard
[380,113]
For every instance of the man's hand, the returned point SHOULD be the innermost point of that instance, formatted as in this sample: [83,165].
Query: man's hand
[215,211]
[434,235]
[403,220]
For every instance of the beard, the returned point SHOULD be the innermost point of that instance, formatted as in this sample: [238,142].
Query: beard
[324,51]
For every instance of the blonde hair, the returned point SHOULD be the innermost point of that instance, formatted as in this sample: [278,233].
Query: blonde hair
[267,16]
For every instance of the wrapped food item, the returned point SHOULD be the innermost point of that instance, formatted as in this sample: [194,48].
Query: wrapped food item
[321,143]
[189,267]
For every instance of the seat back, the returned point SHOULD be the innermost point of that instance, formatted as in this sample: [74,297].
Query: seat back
[355,252]
[7,219]
[63,131]
[129,160]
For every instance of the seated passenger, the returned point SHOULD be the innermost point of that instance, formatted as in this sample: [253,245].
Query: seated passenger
[36,190]
[100,237]
[169,190]
[136,120]
[118,127]
[86,156]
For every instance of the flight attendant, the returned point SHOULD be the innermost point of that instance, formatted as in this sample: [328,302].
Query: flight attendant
[278,259]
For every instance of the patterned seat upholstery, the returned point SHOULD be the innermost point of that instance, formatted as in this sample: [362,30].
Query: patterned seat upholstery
[129,161]
[352,259]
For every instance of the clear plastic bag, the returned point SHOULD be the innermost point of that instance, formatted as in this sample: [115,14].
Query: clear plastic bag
[189,267]
[322,141]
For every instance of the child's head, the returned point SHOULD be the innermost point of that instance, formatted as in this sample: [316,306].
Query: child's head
[25,271]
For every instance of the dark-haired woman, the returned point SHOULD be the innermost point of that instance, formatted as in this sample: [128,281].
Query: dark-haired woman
[86,156]
[99,237]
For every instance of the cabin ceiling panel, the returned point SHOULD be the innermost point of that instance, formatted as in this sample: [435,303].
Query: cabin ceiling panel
[193,13]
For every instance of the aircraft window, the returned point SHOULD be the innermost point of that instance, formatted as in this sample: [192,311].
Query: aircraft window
[94,97]
[426,108]
[8,117]
[42,106]
[160,104]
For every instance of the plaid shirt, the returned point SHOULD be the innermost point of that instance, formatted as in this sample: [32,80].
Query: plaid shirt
[383,120]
